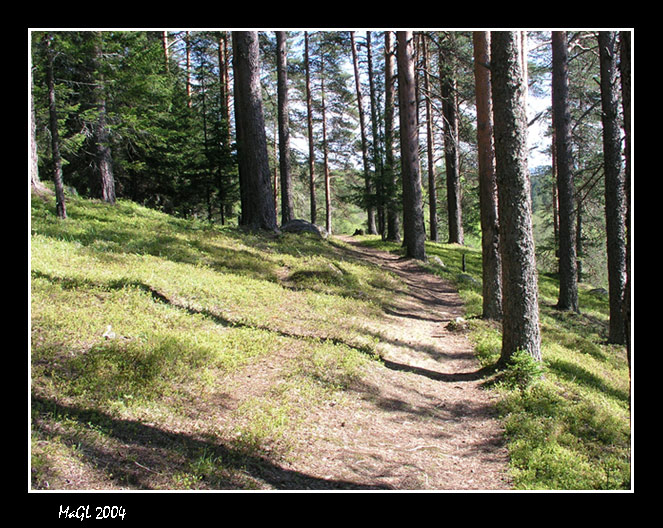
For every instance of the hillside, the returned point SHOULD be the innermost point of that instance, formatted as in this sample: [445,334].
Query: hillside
[171,354]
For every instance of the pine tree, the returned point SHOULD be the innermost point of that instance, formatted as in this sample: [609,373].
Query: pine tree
[413,218]
[255,186]
[520,322]
[492,265]
[568,273]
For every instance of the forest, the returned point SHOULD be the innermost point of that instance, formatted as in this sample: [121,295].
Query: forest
[496,161]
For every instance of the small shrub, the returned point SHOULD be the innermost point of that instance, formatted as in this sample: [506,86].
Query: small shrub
[522,371]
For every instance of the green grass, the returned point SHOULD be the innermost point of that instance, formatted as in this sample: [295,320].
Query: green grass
[189,304]
[569,429]
[192,304]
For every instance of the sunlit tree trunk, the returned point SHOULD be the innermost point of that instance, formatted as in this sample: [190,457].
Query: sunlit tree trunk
[568,273]
[492,267]
[614,185]
[255,186]
[520,321]
[413,218]
[287,208]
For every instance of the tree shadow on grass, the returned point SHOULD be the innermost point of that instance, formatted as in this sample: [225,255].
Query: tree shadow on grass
[156,451]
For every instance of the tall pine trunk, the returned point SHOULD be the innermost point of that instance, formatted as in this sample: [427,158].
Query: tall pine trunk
[255,186]
[60,206]
[393,215]
[490,248]
[413,217]
[287,208]
[450,126]
[104,160]
[309,127]
[325,157]
[568,272]
[614,185]
[625,70]
[520,322]
[432,187]
[368,198]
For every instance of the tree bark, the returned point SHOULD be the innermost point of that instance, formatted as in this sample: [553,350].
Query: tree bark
[287,208]
[568,272]
[255,186]
[368,199]
[325,157]
[413,218]
[450,126]
[104,160]
[393,216]
[520,322]
[625,70]
[309,126]
[60,206]
[614,185]
[492,265]
[432,187]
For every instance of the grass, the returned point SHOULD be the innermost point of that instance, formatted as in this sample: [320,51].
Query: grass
[189,306]
[193,308]
[569,428]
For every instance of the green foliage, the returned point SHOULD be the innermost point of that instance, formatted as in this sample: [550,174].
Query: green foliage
[137,316]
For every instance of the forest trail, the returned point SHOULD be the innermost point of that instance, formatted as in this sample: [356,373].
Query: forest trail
[422,421]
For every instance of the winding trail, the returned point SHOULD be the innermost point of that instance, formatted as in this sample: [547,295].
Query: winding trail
[422,421]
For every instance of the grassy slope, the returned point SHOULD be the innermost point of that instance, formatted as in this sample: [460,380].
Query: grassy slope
[191,304]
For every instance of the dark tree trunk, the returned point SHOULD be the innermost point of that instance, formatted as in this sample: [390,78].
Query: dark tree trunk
[450,126]
[432,186]
[614,185]
[520,322]
[625,68]
[393,215]
[368,199]
[492,266]
[413,218]
[309,125]
[255,186]
[60,206]
[287,208]
[104,160]
[568,272]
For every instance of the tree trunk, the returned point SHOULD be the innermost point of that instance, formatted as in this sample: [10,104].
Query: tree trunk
[255,186]
[614,185]
[368,199]
[625,69]
[568,272]
[325,156]
[104,160]
[492,266]
[520,322]
[413,218]
[450,125]
[309,125]
[287,208]
[393,216]
[377,157]
[432,188]
[60,206]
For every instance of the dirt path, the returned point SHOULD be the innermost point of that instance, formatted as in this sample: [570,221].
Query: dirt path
[422,421]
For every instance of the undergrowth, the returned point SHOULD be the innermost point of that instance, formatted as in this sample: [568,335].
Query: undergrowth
[140,324]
